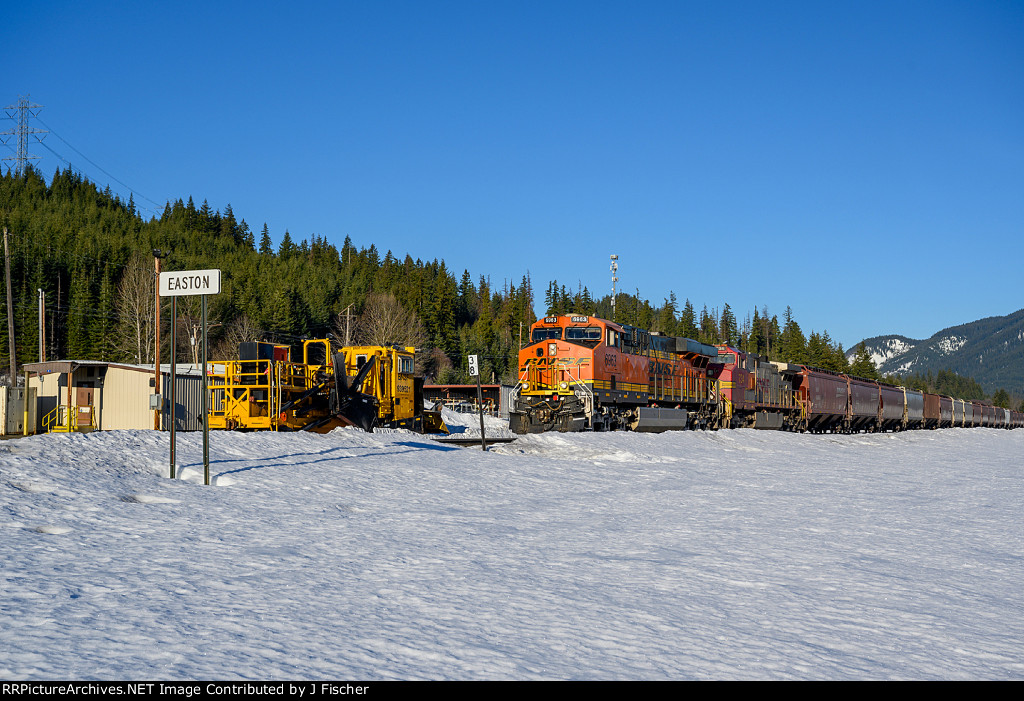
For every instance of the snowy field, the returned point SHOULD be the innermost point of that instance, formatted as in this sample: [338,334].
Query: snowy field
[734,554]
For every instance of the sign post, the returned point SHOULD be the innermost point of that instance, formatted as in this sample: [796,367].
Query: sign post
[474,371]
[174,373]
[176,284]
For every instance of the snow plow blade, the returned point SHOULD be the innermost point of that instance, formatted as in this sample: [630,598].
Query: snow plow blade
[348,404]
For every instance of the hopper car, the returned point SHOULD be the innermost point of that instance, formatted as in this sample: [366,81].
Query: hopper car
[584,373]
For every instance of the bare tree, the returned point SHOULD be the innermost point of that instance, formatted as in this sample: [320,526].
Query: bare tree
[434,365]
[385,321]
[135,309]
[238,331]
[190,324]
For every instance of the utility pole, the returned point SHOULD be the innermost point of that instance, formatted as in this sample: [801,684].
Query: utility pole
[42,325]
[10,313]
[348,325]
[24,110]
[157,255]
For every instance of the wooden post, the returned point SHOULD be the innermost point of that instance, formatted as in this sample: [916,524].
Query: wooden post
[10,314]
[480,406]
[474,371]
[156,361]
[42,326]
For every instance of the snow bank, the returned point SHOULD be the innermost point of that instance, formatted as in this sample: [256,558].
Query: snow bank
[731,554]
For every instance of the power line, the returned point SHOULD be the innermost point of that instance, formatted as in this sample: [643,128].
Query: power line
[78,170]
[103,170]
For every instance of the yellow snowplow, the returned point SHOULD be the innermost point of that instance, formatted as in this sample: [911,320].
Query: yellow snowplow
[364,386]
[393,383]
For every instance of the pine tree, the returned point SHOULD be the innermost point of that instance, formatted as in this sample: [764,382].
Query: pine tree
[551,305]
[863,365]
[755,342]
[266,245]
[792,342]
[687,326]
[708,327]
[667,316]
[287,247]
[229,227]
[817,353]
[248,241]
[1001,399]
[104,330]
[80,316]
[728,330]
[645,315]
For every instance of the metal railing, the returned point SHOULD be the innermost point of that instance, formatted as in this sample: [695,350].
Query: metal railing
[64,419]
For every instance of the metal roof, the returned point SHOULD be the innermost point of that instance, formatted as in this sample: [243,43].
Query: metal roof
[182,369]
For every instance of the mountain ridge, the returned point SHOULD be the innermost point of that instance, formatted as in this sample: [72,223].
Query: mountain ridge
[990,350]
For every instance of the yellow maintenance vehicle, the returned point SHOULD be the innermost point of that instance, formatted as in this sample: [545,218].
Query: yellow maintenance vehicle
[364,386]
[392,382]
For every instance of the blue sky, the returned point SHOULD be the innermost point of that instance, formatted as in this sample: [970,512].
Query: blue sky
[861,162]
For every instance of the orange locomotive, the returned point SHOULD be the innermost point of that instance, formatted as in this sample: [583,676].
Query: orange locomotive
[584,373]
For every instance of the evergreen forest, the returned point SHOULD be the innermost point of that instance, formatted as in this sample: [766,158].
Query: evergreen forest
[92,256]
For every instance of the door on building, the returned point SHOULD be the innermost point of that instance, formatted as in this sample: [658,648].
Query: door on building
[85,406]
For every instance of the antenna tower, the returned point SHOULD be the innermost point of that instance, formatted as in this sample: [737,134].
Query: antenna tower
[24,110]
[615,272]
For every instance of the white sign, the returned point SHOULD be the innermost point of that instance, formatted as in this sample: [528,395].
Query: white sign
[189,282]
[474,369]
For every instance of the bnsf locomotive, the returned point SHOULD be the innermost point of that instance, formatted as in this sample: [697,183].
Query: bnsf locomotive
[580,372]
[583,373]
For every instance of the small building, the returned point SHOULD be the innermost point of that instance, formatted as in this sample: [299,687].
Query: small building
[88,395]
[15,412]
[457,397]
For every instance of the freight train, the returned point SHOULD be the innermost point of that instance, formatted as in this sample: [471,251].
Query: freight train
[583,373]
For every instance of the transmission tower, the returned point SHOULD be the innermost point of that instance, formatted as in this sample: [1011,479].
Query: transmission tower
[24,110]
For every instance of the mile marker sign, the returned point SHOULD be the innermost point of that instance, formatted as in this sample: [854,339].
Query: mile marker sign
[178,283]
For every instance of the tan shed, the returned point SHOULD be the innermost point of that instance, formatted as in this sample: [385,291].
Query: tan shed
[109,396]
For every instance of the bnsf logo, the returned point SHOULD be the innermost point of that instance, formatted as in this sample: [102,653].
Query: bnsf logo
[660,368]
[560,362]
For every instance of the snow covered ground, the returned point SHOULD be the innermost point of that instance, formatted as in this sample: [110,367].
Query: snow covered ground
[734,554]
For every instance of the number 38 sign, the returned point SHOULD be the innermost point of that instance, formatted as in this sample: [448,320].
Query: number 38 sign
[474,368]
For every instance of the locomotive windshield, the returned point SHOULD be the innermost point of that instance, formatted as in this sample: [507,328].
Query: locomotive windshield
[583,335]
[544,334]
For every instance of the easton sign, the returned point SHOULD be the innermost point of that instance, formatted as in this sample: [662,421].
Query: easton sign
[189,282]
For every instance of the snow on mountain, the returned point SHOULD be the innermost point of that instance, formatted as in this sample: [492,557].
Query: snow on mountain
[951,344]
[887,349]
[989,350]
[692,555]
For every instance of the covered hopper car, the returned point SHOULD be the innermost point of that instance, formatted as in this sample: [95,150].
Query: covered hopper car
[584,373]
